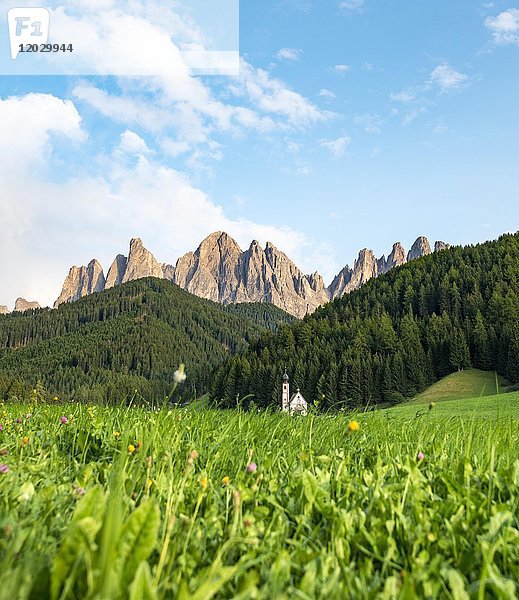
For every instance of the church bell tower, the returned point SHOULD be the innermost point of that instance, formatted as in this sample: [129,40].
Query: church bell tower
[285,396]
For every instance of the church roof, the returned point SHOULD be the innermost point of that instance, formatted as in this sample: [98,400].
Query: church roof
[297,396]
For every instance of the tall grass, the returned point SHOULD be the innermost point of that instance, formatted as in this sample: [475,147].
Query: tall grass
[168,509]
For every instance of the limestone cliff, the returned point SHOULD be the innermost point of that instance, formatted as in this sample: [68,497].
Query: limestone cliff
[116,272]
[141,263]
[420,248]
[82,281]
[22,305]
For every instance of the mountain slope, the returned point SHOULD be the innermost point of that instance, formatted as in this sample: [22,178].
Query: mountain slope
[394,336]
[132,337]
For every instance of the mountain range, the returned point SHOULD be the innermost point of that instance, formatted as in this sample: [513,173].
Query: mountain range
[221,271]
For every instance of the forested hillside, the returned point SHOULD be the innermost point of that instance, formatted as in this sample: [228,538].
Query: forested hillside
[125,342]
[393,337]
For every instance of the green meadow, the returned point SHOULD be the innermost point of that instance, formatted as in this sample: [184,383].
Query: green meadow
[417,501]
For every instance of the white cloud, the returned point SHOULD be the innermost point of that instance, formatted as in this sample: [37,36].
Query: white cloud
[131,143]
[350,6]
[274,97]
[48,226]
[289,53]
[404,96]
[327,94]
[28,125]
[337,147]
[505,26]
[341,69]
[446,78]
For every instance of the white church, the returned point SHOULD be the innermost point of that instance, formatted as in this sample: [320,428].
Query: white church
[295,405]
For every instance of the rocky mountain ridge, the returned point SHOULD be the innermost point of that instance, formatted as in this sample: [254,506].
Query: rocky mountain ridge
[21,305]
[221,271]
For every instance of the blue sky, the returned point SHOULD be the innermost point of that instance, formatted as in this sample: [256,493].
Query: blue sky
[352,124]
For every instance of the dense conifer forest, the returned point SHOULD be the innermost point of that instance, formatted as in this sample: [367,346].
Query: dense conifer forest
[125,343]
[394,336]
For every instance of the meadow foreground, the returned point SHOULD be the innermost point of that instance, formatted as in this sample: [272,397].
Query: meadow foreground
[115,503]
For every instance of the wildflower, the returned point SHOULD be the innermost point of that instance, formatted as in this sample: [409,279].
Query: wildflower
[353,426]
[4,469]
[28,416]
[252,467]
[131,449]
[55,398]
[19,420]
[80,491]
[188,428]
[420,456]
[203,482]
[149,483]
[192,457]
[1,427]
[117,434]
[226,480]
[25,440]
[179,375]
[64,420]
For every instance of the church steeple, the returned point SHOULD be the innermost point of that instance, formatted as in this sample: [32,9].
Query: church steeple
[285,396]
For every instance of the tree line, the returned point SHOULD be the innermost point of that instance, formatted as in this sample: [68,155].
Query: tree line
[394,336]
[125,343]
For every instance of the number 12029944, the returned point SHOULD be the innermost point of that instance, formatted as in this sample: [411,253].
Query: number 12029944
[46,48]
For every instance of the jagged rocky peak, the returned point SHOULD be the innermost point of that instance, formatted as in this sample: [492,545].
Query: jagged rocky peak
[211,271]
[116,271]
[340,283]
[168,272]
[141,263]
[420,248]
[21,305]
[3,310]
[82,281]
[439,246]
[365,267]
[397,257]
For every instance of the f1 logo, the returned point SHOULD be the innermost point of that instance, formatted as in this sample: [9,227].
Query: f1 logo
[27,26]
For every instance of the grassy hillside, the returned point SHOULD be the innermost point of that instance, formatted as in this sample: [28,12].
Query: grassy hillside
[470,383]
[267,507]
[501,406]
[126,343]
[395,336]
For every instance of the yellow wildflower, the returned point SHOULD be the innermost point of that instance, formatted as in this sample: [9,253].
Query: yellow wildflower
[226,480]
[131,449]
[149,483]
[25,440]
[203,482]
[117,434]
[353,426]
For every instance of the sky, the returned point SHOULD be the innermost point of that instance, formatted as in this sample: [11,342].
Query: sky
[350,124]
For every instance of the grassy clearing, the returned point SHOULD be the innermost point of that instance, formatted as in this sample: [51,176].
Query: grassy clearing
[471,383]
[326,513]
